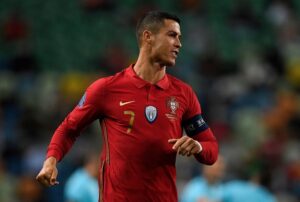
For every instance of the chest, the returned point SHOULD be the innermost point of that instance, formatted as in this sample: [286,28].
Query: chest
[145,108]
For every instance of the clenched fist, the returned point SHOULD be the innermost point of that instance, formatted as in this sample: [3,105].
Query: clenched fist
[48,174]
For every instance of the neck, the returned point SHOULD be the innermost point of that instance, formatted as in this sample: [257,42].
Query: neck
[149,71]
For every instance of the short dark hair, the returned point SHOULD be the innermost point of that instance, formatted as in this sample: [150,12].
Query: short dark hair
[153,21]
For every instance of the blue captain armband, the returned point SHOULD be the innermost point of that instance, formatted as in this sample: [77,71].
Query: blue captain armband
[194,125]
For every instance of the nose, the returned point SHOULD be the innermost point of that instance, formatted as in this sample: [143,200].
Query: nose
[178,43]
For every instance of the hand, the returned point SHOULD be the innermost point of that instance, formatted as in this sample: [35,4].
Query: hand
[48,174]
[186,146]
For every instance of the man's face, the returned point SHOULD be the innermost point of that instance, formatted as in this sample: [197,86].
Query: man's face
[166,43]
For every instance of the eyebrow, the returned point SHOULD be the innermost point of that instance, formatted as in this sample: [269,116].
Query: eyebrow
[173,32]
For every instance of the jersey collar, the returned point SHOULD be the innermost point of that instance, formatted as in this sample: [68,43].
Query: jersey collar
[139,82]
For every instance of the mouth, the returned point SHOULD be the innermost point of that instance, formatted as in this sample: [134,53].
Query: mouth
[175,53]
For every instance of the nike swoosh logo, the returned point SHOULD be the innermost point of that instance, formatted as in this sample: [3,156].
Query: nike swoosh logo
[126,103]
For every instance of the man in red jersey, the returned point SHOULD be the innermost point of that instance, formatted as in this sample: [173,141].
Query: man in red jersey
[142,112]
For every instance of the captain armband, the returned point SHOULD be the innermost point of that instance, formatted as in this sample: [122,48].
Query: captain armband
[194,125]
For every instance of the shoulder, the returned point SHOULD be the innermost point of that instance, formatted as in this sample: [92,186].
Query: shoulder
[75,188]
[195,183]
[107,81]
[236,185]
[245,191]
[179,84]
[75,182]
[193,189]
[77,177]
[265,194]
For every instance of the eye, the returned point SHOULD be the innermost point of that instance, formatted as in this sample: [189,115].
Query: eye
[172,34]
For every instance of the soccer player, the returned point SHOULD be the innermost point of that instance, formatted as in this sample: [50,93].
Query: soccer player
[142,111]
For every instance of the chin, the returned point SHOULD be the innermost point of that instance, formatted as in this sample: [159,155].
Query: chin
[170,63]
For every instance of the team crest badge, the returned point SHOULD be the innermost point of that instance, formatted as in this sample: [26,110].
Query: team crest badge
[173,105]
[151,113]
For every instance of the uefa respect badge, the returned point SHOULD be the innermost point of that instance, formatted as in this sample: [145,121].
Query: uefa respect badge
[151,113]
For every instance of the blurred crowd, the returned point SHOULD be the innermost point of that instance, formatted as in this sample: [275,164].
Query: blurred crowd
[242,57]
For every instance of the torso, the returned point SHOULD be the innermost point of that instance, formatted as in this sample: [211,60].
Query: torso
[138,120]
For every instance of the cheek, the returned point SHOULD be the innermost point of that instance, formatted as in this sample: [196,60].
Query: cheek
[163,50]
[161,44]
[157,46]
[158,50]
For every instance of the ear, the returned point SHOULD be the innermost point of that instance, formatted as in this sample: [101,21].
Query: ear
[147,37]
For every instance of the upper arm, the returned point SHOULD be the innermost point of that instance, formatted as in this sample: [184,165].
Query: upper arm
[89,108]
[193,121]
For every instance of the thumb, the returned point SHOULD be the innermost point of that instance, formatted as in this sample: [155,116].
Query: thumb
[53,178]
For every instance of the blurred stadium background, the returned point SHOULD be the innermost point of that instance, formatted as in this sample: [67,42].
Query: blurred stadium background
[242,57]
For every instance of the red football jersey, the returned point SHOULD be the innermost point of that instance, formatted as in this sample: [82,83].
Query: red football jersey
[137,120]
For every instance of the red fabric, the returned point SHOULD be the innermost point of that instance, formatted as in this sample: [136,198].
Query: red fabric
[137,164]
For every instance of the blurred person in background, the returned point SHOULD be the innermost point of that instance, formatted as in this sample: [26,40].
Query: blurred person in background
[142,111]
[208,186]
[82,185]
[28,190]
[7,184]
[252,185]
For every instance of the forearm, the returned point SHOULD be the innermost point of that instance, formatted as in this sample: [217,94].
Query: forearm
[209,153]
[62,141]
[210,148]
